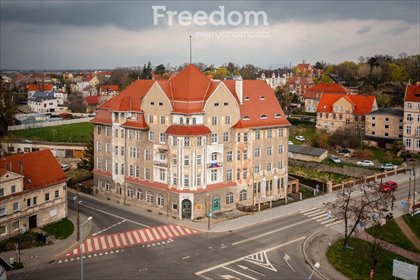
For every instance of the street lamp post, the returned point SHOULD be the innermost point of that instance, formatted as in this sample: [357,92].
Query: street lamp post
[82,248]
[209,211]
[316,265]
[76,206]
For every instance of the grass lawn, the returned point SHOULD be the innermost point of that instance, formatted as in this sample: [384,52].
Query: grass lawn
[26,240]
[385,156]
[356,263]
[76,133]
[414,223]
[318,175]
[392,233]
[304,130]
[61,229]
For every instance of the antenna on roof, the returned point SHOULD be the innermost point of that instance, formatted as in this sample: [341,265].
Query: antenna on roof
[190,51]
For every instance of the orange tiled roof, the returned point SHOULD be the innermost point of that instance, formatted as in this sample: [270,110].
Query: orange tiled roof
[412,93]
[109,88]
[103,116]
[188,130]
[39,87]
[189,90]
[141,123]
[40,169]
[92,100]
[363,104]
[315,91]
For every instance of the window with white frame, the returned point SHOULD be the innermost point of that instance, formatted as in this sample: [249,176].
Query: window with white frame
[238,137]
[137,135]
[281,148]
[99,146]
[245,154]
[257,168]
[175,180]
[116,133]
[214,120]
[214,157]
[199,141]
[257,152]
[281,132]
[147,173]
[238,155]
[16,225]
[130,134]
[229,198]
[3,229]
[186,160]
[408,130]
[108,131]
[199,159]
[139,194]
[409,117]
[227,120]
[244,173]
[213,175]
[407,143]
[3,211]
[214,138]
[269,166]
[175,159]
[162,138]
[257,134]
[245,137]
[98,130]
[162,119]
[238,174]
[242,195]
[229,156]
[199,183]
[122,169]
[409,105]
[187,141]
[16,205]
[160,201]
[146,154]
[108,186]
[229,176]
[269,151]
[269,133]
[149,197]
[116,150]
[108,148]
[150,118]
[186,181]
[116,168]
[226,137]
[162,174]
[137,171]
[162,156]
[280,164]
[151,136]
[47,196]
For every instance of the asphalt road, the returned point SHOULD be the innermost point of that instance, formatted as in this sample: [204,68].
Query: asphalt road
[270,250]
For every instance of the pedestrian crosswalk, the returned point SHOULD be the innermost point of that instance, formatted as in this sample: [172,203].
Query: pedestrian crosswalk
[321,215]
[117,241]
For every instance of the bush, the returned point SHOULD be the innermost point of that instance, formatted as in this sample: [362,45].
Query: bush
[26,240]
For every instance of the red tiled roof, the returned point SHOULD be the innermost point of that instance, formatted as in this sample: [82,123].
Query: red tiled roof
[412,93]
[103,117]
[39,87]
[108,88]
[300,80]
[363,104]
[315,91]
[262,107]
[92,100]
[40,169]
[141,123]
[2,171]
[188,130]
[189,85]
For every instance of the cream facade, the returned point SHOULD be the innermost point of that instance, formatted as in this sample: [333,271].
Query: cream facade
[187,164]
[411,130]
[23,210]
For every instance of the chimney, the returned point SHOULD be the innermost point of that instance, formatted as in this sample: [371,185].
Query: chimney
[239,89]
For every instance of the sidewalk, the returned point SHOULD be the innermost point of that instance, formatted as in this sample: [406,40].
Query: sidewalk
[41,255]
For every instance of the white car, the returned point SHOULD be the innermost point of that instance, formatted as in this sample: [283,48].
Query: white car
[300,138]
[365,163]
[388,166]
[335,159]
[291,143]
[65,167]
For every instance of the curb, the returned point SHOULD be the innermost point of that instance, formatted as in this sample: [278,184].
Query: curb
[306,257]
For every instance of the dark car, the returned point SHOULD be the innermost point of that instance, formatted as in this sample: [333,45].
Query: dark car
[408,157]
[389,186]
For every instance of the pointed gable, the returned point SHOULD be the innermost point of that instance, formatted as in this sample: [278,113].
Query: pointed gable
[189,85]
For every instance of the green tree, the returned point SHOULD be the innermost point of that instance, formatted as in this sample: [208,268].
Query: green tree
[160,69]
[88,155]
[220,73]
[7,108]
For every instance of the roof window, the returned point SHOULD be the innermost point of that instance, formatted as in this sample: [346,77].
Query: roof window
[245,118]
[262,97]
[263,117]
[277,116]
[247,98]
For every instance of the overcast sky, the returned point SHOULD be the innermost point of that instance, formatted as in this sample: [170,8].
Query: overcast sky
[107,34]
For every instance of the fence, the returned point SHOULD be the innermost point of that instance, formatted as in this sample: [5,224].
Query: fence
[364,180]
[47,124]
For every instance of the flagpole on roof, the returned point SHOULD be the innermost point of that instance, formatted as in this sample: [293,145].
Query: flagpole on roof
[190,51]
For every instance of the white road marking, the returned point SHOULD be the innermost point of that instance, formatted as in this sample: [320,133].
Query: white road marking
[117,240]
[89,244]
[315,213]
[130,238]
[337,222]
[187,257]
[328,221]
[308,210]
[237,272]
[96,243]
[123,239]
[156,234]
[270,232]
[168,231]
[143,236]
[173,230]
[149,234]
[242,258]
[161,232]
[136,236]
[114,215]
[111,244]
[322,219]
[103,243]
[247,268]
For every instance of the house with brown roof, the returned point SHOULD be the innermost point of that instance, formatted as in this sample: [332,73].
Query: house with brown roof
[299,85]
[411,130]
[109,90]
[345,113]
[191,145]
[32,192]
[315,92]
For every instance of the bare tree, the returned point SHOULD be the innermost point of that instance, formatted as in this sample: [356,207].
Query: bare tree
[357,209]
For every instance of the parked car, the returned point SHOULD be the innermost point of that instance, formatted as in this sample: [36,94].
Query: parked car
[388,186]
[365,163]
[408,157]
[300,138]
[65,167]
[290,143]
[335,159]
[344,151]
[388,166]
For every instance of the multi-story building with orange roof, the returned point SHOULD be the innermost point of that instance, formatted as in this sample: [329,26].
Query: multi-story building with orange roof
[346,113]
[32,192]
[314,93]
[411,130]
[190,145]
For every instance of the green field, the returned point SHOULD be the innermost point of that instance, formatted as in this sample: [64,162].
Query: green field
[73,133]
[414,223]
[61,229]
[355,263]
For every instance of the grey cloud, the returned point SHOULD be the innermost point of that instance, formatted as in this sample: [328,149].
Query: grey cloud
[363,30]
[137,15]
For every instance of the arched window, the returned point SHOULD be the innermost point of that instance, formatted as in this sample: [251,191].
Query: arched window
[139,194]
[229,198]
[242,195]
[263,117]
[149,197]
[277,116]
[245,118]
[160,201]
